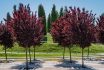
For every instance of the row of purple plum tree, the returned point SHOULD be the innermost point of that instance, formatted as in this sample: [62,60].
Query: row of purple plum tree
[76,27]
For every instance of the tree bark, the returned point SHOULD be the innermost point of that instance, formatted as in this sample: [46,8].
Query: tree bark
[88,52]
[70,53]
[64,53]
[34,53]
[5,54]
[82,59]
[11,51]
[26,59]
[30,54]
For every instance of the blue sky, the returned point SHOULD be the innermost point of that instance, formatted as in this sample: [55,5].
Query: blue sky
[97,6]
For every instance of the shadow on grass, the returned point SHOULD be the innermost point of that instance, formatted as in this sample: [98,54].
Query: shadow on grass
[73,65]
[33,65]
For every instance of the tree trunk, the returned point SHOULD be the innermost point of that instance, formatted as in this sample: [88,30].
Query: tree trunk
[70,53]
[5,53]
[82,59]
[30,54]
[26,59]
[88,52]
[64,53]
[11,51]
[34,53]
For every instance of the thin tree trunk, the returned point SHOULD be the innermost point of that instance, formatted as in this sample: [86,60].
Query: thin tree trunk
[5,53]
[70,53]
[88,52]
[11,51]
[64,53]
[30,54]
[26,59]
[34,53]
[82,59]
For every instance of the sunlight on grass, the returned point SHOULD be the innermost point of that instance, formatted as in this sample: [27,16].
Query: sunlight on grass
[51,49]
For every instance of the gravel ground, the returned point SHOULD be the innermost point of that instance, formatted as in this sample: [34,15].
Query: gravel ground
[54,65]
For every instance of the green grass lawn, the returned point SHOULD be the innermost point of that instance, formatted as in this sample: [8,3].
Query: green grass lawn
[51,49]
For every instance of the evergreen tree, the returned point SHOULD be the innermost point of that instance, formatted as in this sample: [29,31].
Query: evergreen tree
[61,12]
[49,22]
[54,14]
[65,10]
[41,13]
[14,8]
[8,16]
[102,14]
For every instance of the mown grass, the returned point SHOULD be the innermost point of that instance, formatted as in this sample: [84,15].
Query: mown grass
[54,48]
[51,49]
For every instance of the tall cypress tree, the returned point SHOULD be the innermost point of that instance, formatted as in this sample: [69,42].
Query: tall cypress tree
[54,14]
[49,23]
[61,12]
[65,10]
[8,16]
[14,8]
[102,14]
[41,13]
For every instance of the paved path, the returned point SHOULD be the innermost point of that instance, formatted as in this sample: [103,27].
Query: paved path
[55,65]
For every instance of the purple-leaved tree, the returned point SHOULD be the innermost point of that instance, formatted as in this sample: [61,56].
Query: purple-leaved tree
[26,28]
[6,38]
